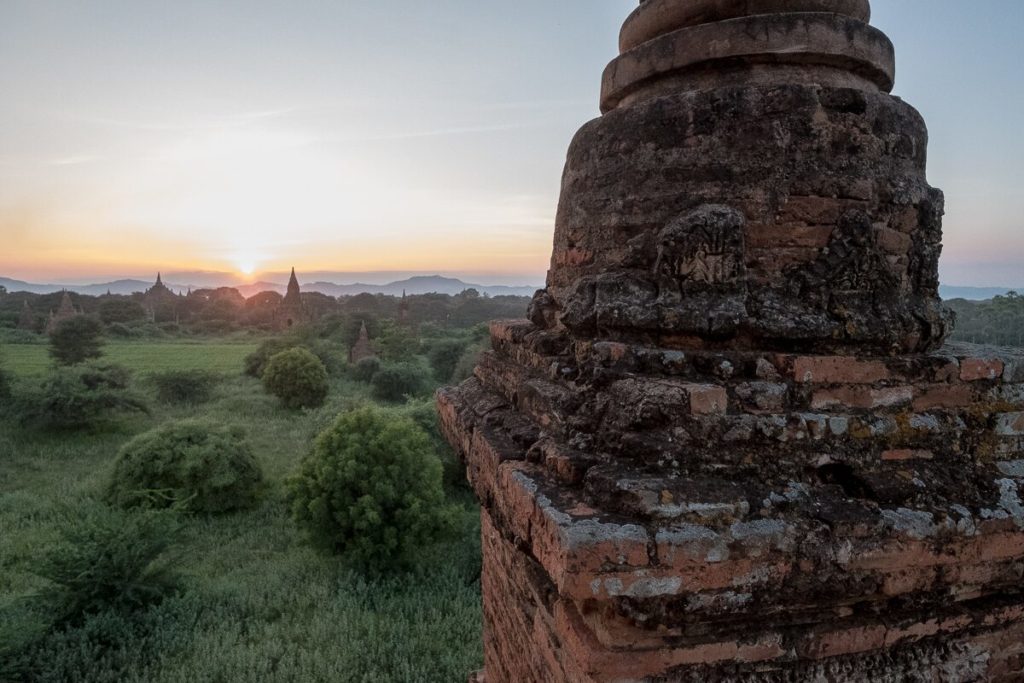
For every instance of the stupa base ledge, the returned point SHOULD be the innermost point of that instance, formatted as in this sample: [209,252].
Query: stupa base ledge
[758,538]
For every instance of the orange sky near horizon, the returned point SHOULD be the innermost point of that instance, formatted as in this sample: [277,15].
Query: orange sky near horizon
[139,135]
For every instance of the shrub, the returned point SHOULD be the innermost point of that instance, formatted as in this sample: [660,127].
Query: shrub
[8,336]
[364,370]
[76,340]
[395,381]
[468,361]
[121,331]
[256,362]
[444,356]
[371,489]
[192,465]
[298,378]
[106,560]
[424,413]
[80,397]
[5,383]
[185,386]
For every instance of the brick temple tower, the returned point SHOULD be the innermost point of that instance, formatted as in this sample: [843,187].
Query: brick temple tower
[27,318]
[363,348]
[730,443]
[65,311]
[292,311]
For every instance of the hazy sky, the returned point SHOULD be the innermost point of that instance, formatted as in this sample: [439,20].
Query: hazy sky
[396,134]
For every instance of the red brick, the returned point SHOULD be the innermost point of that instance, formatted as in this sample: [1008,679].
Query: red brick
[707,399]
[812,210]
[768,647]
[838,370]
[510,330]
[861,397]
[845,642]
[573,257]
[907,454]
[974,369]
[789,235]
[945,396]
[893,241]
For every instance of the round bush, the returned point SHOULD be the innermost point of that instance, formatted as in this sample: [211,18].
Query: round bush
[395,381]
[185,386]
[371,489]
[256,362]
[192,465]
[298,378]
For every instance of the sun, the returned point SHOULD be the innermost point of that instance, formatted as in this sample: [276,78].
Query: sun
[245,266]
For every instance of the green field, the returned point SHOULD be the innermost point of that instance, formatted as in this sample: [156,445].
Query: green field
[33,360]
[258,603]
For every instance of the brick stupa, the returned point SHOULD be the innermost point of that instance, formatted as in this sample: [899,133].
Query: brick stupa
[730,443]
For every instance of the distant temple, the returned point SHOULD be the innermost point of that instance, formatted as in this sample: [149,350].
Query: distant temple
[27,319]
[160,298]
[363,348]
[158,290]
[403,310]
[64,312]
[292,311]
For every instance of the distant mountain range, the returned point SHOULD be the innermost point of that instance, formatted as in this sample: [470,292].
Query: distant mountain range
[115,287]
[975,293]
[420,284]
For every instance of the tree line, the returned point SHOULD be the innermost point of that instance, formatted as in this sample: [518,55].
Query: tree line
[225,310]
[998,321]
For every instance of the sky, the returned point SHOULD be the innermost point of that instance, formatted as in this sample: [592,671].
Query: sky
[399,135]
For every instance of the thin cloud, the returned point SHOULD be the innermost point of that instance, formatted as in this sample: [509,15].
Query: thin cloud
[217,123]
[74,160]
[435,133]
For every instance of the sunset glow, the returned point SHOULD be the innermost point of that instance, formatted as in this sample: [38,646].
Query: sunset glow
[164,136]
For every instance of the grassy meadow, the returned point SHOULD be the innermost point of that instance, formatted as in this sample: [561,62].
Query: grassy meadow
[257,603]
[32,361]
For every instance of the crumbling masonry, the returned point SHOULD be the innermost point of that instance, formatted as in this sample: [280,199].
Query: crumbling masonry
[730,444]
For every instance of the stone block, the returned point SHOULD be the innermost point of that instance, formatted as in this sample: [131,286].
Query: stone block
[838,370]
[855,397]
[974,369]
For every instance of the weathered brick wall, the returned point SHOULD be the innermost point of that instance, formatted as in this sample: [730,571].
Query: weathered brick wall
[864,508]
[730,443]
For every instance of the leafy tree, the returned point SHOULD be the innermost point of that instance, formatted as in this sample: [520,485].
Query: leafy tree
[298,378]
[395,381]
[76,340]
[396,343]
[469,359]
[444,355]
[372,490]
[121,311]
[366,369]
[192,465]
[256,362]
[424,413]
[998,321]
